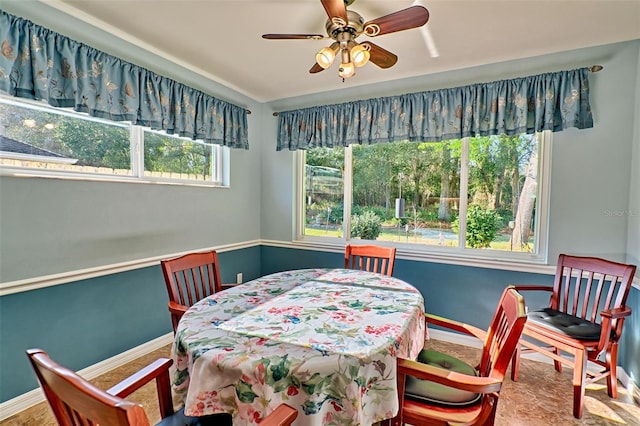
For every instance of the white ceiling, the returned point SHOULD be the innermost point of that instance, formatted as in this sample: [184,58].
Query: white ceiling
[221,40]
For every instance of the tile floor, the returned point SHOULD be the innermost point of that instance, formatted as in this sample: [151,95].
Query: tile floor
[540,397]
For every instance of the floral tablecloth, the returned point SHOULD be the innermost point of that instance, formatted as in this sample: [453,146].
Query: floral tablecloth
[324,341]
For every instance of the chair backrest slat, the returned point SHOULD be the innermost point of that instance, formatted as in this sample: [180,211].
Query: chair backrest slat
[182,287]
[211,288]
[567,286]
[596,299]
[587,296]
[613,288]
[576,291]
[199,287]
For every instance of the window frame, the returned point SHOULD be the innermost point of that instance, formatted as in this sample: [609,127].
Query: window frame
[220,154]
[431,252]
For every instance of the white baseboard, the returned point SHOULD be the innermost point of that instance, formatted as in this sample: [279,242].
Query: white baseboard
[33,397]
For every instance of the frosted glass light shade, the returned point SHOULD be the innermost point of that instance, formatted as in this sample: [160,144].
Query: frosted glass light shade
[359,55]
[325,57]
[347,70]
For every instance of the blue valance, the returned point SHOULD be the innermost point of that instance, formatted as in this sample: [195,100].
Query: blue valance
[552,101]
[38,63]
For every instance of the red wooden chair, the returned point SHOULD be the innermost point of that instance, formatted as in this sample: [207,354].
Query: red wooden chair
[76,402]
[370,258]
[439,389]
[190,278]
[584,319]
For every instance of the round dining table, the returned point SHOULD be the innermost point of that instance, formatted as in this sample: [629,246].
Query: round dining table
[324,341]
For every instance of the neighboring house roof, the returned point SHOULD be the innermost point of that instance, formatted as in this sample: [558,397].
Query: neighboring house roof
[11,148]
[12,145]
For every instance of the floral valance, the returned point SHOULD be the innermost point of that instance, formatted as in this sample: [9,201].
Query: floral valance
[552,101]
[38,63]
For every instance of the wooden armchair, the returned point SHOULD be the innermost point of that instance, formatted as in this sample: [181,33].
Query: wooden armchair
[584,319]
[370,258]
[75,401]
[190,278]
[454,392]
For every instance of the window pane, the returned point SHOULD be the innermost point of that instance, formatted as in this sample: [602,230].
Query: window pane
[324,192]
[167,156]
[502,192]
[44,138]
[424,175]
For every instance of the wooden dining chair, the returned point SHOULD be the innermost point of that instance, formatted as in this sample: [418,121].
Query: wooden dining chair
[584,319]
[190,278]
[370,258]
[439,389]
[77,402]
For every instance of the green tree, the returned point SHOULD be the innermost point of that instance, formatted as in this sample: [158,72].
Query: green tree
[165,153]
[94,143]
[482,226]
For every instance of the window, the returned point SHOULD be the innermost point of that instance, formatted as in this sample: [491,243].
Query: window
[40,139]
[482,196]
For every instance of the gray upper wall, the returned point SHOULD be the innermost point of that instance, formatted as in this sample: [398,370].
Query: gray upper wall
[592,208]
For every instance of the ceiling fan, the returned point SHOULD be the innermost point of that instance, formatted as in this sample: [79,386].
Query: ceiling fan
[344,26]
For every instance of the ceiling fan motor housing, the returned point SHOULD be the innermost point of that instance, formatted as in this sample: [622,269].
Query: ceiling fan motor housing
[355,25]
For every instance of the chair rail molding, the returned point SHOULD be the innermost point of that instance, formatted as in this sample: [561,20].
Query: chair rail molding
[98,271]
[35,283]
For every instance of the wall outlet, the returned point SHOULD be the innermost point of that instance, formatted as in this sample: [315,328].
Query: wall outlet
[239,278]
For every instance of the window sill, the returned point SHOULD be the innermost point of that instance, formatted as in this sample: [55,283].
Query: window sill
[407,252]
[20,172]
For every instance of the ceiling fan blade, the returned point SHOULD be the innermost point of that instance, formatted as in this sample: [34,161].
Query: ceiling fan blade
[293,36]
[411,17]
[316,68]
[336,9]
[379,56]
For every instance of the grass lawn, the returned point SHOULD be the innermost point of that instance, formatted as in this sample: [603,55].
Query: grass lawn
[502,241]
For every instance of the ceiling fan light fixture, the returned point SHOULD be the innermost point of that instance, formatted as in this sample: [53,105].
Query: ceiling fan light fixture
[346,70]
[359,55]
[345,26]
[327,55]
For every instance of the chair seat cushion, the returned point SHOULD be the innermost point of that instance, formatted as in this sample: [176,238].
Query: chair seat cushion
[179,419]
[436,393]
[569,325]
